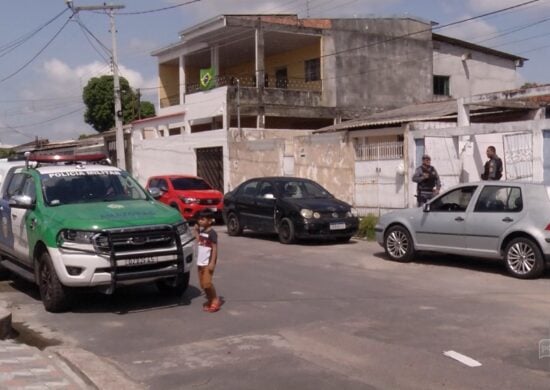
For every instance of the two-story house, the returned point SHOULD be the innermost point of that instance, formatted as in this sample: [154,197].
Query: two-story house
[288,75]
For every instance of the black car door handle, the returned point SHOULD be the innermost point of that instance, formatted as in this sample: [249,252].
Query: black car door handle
[507,219]
[459,219]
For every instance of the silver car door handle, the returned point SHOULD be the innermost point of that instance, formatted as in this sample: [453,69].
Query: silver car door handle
[459,219]
[507,219]
[14,216]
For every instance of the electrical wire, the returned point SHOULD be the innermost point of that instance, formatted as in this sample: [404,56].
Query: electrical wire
[45,121]
[159,9]
[10,46]
[87,34]
[37,54]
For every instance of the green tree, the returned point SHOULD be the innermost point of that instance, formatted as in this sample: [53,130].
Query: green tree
[98,96]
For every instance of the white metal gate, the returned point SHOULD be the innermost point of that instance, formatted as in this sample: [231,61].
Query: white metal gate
[378,182]
[518,156]
[444,154]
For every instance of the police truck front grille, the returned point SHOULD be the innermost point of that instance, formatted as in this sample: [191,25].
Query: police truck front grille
[137,240]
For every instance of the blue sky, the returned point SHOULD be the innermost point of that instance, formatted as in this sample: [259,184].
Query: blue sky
[44,98]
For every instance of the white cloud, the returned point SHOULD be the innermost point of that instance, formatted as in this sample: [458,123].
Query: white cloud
[474,30]
[493,5]
[56,92]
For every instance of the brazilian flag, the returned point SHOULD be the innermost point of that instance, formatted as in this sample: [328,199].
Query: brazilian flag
[207,78]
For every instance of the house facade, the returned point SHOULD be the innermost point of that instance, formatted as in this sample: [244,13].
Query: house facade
[277,78]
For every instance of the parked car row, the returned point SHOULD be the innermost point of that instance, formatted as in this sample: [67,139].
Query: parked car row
[499,220]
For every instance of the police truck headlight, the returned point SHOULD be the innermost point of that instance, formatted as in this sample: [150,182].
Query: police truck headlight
[184,232]
[77,239]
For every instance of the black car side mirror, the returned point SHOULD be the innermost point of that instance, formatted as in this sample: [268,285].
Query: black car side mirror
[426,208]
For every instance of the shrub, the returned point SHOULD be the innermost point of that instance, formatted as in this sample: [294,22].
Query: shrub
[366,226]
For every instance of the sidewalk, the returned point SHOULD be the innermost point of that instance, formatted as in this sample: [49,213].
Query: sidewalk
[23,367]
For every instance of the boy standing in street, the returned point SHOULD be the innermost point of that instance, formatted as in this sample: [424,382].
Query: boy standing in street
[207,256]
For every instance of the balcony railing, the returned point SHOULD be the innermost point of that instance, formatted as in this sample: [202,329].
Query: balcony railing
[297,84]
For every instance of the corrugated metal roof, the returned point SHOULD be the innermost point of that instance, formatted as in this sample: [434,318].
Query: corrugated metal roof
[412,113]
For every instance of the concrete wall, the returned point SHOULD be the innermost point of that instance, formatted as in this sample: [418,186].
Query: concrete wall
[169,84]
[175,154]
[473,142]
[326,158]
[383,73]
[482,73]
[329,160]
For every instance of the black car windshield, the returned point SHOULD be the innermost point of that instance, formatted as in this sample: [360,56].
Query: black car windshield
[189,183]
[61,188]
[301,189]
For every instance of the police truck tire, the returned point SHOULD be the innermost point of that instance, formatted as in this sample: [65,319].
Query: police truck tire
[173,287]
[55,297]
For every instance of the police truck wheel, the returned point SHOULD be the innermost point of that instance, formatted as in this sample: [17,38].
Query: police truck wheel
[55,296]
[174,286]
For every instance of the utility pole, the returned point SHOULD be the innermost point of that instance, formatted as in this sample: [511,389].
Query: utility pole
[120,150]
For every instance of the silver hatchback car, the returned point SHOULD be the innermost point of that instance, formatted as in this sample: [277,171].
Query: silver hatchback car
[491,219]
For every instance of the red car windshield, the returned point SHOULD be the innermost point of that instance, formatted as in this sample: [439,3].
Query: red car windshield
[189,183]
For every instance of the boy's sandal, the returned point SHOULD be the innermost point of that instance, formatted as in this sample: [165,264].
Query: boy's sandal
[214,308]
[205,306]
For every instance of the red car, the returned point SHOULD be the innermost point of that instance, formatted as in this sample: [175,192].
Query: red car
[188,194]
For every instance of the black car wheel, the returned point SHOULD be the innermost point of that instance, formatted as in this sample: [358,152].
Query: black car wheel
[398,244]
[55,297]
[286,231]
[174,286]
[234,227]
[524,259]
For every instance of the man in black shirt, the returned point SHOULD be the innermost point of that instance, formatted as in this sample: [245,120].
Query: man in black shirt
[428,181]
[493,167]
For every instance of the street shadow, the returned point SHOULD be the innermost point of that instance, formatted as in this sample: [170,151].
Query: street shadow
[302,242]
[125,299]
[491,266]
[131,299]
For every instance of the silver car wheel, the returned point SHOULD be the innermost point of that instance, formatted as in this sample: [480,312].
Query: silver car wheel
[521,258]
[397,244]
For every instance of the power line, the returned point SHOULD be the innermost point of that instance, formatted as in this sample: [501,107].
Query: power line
[45,121]
[10,46]
[159,9]
[87,34]
[37,54]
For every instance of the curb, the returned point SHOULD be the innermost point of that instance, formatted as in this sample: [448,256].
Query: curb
[5,320]
[96,371]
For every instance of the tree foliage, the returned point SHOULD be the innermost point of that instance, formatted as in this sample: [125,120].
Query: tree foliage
[98,96]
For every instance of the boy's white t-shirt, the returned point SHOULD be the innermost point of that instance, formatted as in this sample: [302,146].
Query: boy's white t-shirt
[204,250]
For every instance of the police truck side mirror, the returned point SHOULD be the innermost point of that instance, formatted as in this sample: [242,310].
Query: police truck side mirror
[21,202]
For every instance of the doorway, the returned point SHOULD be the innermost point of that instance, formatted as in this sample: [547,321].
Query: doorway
[210,166]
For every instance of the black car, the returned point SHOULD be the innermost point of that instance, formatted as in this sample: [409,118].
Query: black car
[293,208]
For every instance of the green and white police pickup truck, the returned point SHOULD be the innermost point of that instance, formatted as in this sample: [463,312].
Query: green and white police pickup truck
[72,222]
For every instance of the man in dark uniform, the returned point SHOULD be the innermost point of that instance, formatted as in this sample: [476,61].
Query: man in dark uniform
[428,181]
[493,167]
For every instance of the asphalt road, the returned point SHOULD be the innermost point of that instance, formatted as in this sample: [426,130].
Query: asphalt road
[314,317]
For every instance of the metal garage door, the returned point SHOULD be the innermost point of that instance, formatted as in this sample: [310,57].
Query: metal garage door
[210,166]
[444,154]
[518,156]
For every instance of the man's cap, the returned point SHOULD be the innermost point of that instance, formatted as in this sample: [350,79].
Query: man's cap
[426,156]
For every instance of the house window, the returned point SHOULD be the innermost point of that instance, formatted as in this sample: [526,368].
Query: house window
[174,131]
[313,69]
[442,85]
